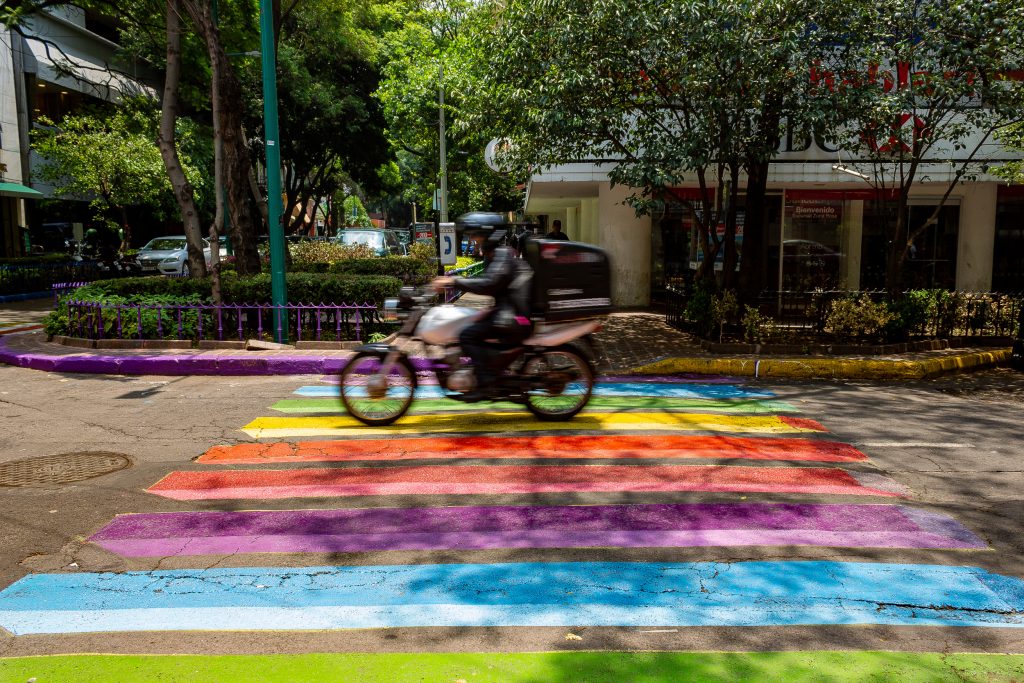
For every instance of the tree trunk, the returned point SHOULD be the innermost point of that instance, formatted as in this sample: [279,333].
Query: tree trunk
[183,191]
[754,261]
[898,247]
[235,153]
[731,256]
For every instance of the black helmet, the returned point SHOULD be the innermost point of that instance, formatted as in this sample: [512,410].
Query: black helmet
[492,226]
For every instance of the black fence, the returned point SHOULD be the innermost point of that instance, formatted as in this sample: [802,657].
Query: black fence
[31,278]
[931,314]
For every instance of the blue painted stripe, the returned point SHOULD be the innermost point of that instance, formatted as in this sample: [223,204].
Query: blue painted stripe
[522,594]
[601,389]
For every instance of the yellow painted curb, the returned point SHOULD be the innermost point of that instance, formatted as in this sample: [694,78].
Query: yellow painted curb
[825,368]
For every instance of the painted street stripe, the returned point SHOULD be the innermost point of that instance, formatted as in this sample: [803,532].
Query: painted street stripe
[568,446]
[596,404]
[428,377]
[523,667]
[663,390]
[912,444]
[515,594]
[505,479]
[487,527]
[343,425]
[18,328]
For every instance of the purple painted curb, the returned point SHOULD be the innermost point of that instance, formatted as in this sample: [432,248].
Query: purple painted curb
[488,527]
[173,364]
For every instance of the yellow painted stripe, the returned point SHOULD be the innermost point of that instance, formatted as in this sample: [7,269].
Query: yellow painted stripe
[343,425]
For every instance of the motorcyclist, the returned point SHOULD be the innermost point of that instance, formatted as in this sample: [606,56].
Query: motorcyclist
[507,279]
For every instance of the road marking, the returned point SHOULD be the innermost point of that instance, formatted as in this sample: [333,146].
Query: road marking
[657,595]
[594,667]
[600,389]
[567,446]
[343,425]
[558,526]
[911,444]
[507,479]
[596,404]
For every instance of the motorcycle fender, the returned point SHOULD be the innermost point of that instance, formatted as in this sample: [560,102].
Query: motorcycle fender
[376,347]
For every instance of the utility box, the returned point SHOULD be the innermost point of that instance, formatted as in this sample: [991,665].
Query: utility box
[571,280]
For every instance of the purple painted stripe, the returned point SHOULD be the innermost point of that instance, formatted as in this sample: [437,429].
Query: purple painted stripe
[470,528]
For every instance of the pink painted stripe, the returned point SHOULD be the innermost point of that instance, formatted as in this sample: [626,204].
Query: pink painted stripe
[504,479]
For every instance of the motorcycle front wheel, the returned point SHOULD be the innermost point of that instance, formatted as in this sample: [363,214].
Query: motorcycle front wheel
[372,396]
[564,380]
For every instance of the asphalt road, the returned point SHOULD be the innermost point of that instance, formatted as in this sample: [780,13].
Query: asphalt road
[956,443]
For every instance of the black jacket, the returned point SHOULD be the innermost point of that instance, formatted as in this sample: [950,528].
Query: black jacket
[507,279]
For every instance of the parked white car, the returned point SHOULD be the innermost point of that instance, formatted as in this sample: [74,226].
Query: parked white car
[176,262]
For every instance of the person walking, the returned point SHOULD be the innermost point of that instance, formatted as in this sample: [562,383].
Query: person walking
[556,232]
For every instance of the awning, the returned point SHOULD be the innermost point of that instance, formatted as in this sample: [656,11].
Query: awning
[17,190]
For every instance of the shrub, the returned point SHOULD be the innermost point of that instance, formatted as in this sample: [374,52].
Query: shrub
[700,309]
[910,314]
[423,251]
[304,253]
[411,271]
[854,318]
[758,328]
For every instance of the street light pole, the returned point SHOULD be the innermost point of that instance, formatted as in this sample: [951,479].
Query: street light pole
[444,151]
[278,294]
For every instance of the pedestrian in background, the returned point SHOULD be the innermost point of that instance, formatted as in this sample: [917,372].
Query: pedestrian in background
[556,232]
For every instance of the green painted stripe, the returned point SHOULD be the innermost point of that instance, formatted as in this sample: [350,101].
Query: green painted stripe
[597,403]
[551,667]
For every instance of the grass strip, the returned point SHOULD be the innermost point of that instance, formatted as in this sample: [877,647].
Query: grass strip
[536,667]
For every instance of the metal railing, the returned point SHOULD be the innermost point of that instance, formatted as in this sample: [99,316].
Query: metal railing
[18,278]
[199,322]
[935,314]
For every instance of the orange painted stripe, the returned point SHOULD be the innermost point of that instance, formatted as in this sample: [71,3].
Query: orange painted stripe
[541,447]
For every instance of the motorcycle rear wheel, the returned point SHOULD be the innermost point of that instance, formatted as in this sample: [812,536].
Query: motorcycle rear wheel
[565,381]
[372,397]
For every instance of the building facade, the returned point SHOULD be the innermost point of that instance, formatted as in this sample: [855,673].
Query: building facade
[58,61]
[827,227]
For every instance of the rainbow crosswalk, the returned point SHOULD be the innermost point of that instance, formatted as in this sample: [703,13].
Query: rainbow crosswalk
[511,483]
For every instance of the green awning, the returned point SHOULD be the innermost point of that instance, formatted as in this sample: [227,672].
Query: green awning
[17,190]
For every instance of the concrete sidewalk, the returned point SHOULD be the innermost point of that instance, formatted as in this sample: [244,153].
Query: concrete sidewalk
[632,342]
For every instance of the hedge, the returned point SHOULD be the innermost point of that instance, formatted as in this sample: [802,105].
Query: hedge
[306,288]
[412,271]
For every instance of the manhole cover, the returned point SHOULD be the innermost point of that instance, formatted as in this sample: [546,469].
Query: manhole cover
[63,468]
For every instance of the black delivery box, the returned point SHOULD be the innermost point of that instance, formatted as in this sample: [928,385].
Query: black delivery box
[571,280]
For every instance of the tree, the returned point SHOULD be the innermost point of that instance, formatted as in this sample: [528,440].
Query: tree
[429,36]
[332,129]
[665,94]
[924,90]
[110,159]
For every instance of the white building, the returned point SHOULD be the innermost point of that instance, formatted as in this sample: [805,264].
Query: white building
[59,60]
[824,229]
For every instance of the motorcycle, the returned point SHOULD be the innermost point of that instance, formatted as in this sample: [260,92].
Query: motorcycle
[551,373]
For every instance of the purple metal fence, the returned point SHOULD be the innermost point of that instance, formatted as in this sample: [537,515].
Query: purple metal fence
[94,320]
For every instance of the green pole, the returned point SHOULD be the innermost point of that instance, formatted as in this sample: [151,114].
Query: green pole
[278,295]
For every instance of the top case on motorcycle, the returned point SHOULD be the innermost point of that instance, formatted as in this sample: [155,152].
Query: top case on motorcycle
[571,280]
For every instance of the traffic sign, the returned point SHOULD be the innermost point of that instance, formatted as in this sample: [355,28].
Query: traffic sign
[448,247]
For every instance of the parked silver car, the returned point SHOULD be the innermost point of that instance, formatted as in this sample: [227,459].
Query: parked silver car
[169,255]
[157,249]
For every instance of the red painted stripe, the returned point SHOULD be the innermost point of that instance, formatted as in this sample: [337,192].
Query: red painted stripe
[23,328]
[541,447]
[497,479]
